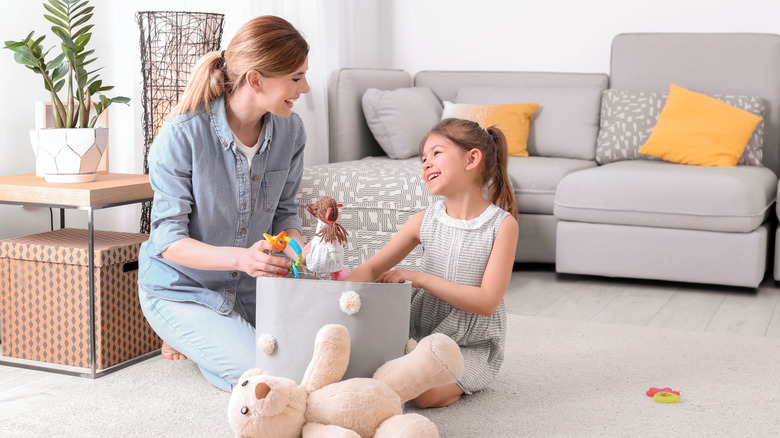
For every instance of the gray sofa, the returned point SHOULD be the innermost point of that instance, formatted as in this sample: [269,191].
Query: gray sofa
[582,208]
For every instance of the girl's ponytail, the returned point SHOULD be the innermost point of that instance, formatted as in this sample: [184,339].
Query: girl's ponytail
[501,192]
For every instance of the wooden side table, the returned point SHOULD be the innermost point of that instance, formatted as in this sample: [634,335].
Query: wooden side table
[109,190]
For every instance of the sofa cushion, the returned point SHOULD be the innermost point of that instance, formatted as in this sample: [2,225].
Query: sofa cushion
[667,195]
[697,129]
[534,180]
[400,118]
[565,125]
[628,118]
[514,120]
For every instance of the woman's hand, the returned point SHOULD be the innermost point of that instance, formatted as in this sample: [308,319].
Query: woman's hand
[257,262]
[401,275]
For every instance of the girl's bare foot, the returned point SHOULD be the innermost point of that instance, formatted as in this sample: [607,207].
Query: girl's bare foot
[170,353]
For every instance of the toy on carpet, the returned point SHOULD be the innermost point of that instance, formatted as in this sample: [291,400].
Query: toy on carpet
[665,395]
[266,406]
[280,242]
[327,247]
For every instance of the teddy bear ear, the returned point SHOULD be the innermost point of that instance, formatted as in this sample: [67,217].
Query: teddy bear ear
[251,373]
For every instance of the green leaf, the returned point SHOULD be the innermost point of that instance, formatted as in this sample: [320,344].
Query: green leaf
[59,72]
[104,100]
[78,6]
[55,62]
[82,20]
[24,59]
[94,87]
[13,44]
[55,20]
[58,86]
[63,36]
[121,99]
[82,40]
[56,12]
[81,12]
[37,42]
[20,48]
[57,4]
[83,30]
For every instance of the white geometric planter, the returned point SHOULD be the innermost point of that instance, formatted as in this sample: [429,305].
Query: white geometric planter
[68,155]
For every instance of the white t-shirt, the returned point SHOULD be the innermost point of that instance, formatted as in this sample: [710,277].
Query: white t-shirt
[249,152]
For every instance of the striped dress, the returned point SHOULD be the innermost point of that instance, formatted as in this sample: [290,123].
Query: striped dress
[458,251]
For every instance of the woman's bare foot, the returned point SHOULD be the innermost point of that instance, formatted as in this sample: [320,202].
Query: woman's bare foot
[170,353]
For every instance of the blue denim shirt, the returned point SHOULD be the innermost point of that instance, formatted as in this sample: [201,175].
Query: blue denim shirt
[203,189]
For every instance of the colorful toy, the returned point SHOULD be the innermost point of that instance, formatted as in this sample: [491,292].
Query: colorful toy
[323,405]
[327,247]
[280,242]
[653,391]
[665,395]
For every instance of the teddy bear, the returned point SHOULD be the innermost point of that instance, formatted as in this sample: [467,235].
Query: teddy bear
[323,405]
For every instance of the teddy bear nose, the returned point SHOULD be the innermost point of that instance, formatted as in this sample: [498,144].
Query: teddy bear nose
[262,390]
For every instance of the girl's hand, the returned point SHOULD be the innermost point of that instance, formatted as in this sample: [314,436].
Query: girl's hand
[399,276]
[257,262]
[306,251]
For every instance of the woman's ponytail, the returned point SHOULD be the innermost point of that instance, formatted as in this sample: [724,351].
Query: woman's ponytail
[206,83]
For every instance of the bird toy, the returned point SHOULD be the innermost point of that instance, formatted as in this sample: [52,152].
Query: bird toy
[280,242]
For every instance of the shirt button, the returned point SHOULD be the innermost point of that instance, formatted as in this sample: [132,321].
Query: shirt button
[243,231]
[232,291]
[255,178]
[233,274]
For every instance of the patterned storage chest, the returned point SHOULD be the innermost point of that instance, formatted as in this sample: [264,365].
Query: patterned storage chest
[44,281]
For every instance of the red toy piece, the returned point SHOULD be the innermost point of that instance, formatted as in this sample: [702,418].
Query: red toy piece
[652,391]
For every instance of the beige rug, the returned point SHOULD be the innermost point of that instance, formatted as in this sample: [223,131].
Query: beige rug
[559,379]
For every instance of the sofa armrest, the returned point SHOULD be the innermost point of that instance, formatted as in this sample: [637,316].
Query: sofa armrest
[350,138]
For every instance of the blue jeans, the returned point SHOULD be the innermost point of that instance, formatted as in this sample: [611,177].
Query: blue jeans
[223,346]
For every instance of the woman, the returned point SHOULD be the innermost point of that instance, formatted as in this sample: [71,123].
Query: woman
[225,168]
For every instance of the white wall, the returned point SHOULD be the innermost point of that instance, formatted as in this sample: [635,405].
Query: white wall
[552,35]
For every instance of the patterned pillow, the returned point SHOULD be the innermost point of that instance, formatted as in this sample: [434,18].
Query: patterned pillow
[628,118]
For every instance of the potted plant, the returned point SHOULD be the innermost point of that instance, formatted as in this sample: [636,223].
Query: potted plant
[72,150]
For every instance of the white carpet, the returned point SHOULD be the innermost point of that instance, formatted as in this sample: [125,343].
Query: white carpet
[560,378]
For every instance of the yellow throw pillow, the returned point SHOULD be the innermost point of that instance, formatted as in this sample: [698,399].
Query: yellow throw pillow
[697,129]
[513,119]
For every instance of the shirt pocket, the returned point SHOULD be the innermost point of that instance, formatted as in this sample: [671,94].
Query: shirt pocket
[273,184]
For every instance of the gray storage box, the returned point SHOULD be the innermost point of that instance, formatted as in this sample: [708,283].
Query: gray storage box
[292,310]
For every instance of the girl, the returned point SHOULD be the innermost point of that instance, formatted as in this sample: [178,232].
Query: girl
[225,168]
[469,241]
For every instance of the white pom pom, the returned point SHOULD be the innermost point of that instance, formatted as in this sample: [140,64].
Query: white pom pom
[266,343]
[349,302]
